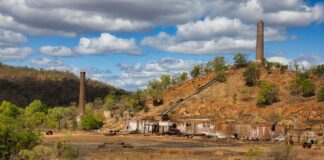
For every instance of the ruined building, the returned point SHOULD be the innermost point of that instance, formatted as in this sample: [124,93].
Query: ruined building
[82,93]
[260,42]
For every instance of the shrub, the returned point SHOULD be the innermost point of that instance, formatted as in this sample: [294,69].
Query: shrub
[308,88]
[268,66]
[220,76]
[14,136]
[320,94]
[196,71]
[183,77]
[251,75]
[9,109]
[283,68]
[255,153]
[146,109]
[165,81]
[240,60]
[215,65]
[245,93]
[274,117]
[38,152]
[268,94]
[91,122]
[64,151]
[318,70]
[234,98]
[296,85]
[282,152]
[302,76]
[36,106]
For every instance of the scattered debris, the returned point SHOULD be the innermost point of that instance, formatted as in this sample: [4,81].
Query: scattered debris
[49,132]
[122,144]
[127,146]
[112,133]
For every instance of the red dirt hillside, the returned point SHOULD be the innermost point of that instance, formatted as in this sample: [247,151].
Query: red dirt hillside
[217,102]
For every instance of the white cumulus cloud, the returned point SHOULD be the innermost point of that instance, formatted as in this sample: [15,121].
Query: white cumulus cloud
[10,38]
[13,54]
[107,44]
[138,75]
[302,60]
[56,51]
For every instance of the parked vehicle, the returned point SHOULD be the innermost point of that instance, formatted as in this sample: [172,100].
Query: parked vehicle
[173,131]
[279,138]
[309,143]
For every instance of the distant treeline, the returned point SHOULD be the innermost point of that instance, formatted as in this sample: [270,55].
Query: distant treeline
[54,88]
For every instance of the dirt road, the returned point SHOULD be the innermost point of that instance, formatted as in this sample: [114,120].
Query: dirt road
[99,147]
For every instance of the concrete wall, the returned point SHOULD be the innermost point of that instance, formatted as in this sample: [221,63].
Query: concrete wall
[220,130]
[131,125]
[253,131]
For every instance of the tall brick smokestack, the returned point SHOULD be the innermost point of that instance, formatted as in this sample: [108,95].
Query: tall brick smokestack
[82,93]
[260,42]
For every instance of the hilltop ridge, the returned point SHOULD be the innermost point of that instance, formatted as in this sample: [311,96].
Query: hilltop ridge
[21,85]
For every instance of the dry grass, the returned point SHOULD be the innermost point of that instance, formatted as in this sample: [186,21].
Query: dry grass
[165,148]
[217,99]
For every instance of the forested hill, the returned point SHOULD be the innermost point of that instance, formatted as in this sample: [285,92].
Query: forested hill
[22,85]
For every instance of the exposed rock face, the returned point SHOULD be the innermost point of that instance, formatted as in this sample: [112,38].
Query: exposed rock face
[260,42]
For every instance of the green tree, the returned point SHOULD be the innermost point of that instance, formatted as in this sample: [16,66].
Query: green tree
[15,136]
[308,88]
[219,64]
[56,116]
[208,67]
[165,81]
[196,71]
[9,109]
[110,101]
[215,65]
[36,106]
[318,70]
[240,60]
[320,94]
[154,88]
[183,77]
[301,85]
[91,121]
[36,120]
[35,114]
[220,75]
[268,66]
[268,94]
[283,68]
[251,75]
[136,102]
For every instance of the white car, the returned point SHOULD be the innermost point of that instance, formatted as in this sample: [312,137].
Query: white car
[279,138]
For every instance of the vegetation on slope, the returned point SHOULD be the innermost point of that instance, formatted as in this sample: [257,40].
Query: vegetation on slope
[242,91]
[22,85]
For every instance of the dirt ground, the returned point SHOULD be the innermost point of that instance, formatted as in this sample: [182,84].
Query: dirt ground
[96,146]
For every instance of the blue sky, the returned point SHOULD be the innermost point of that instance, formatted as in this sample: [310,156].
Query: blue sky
[127,43]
